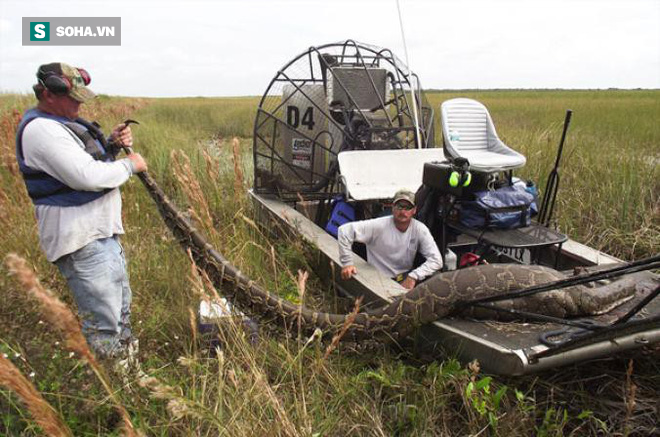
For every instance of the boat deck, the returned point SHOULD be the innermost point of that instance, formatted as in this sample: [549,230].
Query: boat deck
[509,348]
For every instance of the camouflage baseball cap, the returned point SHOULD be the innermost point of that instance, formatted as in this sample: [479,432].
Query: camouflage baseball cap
[406,195]
[78,79]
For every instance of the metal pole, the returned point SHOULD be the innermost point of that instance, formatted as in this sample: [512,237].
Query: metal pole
[418,135]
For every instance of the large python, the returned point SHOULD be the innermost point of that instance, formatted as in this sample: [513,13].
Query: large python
[429,301]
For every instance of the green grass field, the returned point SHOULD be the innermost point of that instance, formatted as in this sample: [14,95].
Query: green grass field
[608,199]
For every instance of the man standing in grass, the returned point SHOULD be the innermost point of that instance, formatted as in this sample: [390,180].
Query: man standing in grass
[72,177]
[392,243]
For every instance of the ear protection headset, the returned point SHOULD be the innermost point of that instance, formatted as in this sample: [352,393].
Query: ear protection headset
[460,175]
[59,84]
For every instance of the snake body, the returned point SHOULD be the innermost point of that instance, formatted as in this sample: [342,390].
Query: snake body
[429,301]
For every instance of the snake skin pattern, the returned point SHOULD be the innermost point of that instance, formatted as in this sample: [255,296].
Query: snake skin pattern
[429,301]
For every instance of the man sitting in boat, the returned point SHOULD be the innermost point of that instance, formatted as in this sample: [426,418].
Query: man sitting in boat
[392,243]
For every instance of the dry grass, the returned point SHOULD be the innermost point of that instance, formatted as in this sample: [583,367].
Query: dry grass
[42,412]
[347,324]
[239,184]
[8,123]
[191,187]
[630,391]
[53,310]
[60,317]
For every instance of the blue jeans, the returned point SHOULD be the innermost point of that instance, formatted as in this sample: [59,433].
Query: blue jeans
[98,279]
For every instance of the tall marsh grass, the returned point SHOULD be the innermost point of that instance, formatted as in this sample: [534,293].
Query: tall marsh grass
[284,386]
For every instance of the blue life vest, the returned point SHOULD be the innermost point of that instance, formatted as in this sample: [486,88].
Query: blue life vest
[43,188]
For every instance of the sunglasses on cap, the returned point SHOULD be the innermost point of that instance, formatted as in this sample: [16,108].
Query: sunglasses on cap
[404,206]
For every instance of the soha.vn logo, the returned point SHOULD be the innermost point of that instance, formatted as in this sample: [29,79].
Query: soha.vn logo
[40,31]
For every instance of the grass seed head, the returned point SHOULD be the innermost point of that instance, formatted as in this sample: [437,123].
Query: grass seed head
[56,313]
[42,412]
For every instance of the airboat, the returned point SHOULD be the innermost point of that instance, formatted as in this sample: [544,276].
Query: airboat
[343,126]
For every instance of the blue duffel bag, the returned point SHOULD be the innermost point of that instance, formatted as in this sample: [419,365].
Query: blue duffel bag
[509,207]
[342,212]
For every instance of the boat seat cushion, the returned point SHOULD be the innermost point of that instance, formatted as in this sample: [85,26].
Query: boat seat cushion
[379,174]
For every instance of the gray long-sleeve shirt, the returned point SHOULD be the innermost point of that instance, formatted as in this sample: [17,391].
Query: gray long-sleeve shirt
[51,147]
[388,249]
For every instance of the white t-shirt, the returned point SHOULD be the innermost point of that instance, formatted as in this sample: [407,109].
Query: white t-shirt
[388,249]
[51,147]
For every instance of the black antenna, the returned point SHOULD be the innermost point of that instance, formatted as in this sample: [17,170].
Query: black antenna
[551,188]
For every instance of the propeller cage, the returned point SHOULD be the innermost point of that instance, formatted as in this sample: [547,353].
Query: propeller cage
[331,98]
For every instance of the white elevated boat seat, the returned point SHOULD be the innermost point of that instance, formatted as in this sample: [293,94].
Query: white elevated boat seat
[379,174]
[469,133]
